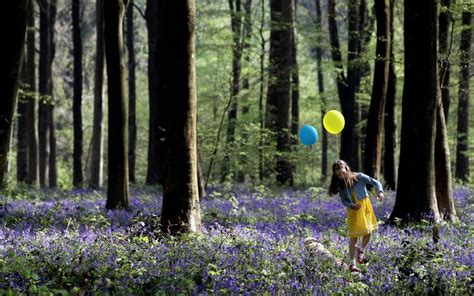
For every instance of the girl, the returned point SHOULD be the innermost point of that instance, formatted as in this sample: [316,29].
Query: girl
[361,221]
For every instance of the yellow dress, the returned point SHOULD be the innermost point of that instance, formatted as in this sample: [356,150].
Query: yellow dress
[362,221]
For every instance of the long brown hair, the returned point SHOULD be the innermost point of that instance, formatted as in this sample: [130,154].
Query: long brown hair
[337,183]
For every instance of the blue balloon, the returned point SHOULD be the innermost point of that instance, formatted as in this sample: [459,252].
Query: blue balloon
[308,135]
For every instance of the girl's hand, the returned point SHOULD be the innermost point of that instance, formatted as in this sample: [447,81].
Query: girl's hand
[380,196]
[356,207]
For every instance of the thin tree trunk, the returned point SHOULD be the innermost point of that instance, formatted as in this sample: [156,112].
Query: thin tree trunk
[295,92]
[247,33]
[443,178]
[96,161]
[132,98]
[462,145]
[444,52]
[294,84]
[52,172]
[261,116]
[319,58]
[31,109]
[44,100]
[155,129]
[77,99]
[236,26]
[416,198]
[201,180]
[176,38]
[21,153]
[117,183]
[52,167]
[390,121]
[12,53]
[373,140]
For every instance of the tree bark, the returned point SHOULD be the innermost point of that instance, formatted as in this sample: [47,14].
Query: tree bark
[117,183]
[96,160]
[242,176]
[236,26]
[177,90]
[462,144]
[347,102]
[416,199]
[77,99]
[279,84]
[10,72]
[47,153]
[373,139]
[295,92]
[132,97]
[444,52]
[261,115]
[443,178]
[390,122]
[52,172]
[319,58]
[155,129]
[31,109]
[352,109]
[21,153]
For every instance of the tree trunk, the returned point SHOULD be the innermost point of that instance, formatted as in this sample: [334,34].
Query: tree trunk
[319,58]
[294,83]
[390,122]
[443,178]
[350,107]
[177,77]
[201,180]
[278,96]
[416,199]
[42,87]
[96,161]
[373,140]
[117,184]
[31,109]
[77,99]
[47,153]
[295,92]
[366,28]
[236,26]
[444,52]
[13,51]
[462,145]
[261,116]
[52,172]
[21,153]
[347,105]
[132,122]
[155,129]
[242,176]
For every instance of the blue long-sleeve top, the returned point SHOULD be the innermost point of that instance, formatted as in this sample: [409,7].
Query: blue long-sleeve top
[359,188]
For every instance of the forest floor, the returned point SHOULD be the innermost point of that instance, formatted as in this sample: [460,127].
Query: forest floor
[252,242]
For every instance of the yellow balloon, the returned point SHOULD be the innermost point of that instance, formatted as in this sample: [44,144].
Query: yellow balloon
[333,121]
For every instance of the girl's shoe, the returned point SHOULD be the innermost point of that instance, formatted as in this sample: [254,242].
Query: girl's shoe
[360,256]
[354,268]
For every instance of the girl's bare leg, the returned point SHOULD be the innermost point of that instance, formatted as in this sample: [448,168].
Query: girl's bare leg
[352,249]
[365,242]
